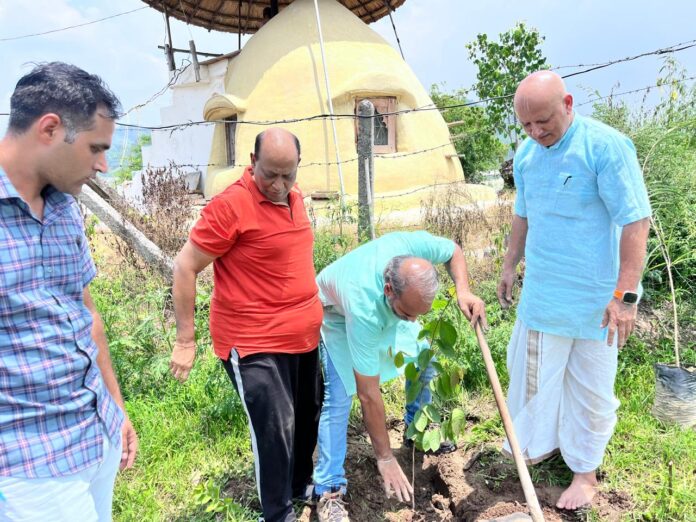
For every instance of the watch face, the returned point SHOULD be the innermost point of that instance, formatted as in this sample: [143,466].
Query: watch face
[630,298]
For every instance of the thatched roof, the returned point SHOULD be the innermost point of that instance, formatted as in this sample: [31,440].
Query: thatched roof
[246,16]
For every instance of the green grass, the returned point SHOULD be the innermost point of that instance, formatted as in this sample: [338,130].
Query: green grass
[187,435]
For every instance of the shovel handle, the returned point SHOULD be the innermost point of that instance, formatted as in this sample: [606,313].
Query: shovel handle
[525,479]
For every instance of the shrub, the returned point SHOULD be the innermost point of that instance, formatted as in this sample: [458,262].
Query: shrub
[476,143]
[665,139]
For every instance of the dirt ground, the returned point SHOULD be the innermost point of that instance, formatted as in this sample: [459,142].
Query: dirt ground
[467,485]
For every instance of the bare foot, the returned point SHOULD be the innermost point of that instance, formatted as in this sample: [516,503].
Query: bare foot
[580,492]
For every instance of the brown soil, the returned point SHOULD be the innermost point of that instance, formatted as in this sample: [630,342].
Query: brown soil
[467,485]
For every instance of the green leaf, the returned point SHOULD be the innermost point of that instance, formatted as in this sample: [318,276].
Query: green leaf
[438,367]
[431,440]
[412,430]
[446,430]
[458,421]
[424,358]
[455,377]
[413,391]
[445,348]
[411,372]
[432,413]
[420,421]
[399,360]
[448,333]
[418,441]
[439,304]
[445,387]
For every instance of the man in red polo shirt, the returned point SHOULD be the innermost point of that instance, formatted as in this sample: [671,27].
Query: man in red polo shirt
[265,314]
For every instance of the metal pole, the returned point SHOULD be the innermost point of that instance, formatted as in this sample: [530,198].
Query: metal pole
[366,112]
[331,111]
[389,7]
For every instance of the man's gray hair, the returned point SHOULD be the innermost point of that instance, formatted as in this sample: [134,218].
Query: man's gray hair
[425,281]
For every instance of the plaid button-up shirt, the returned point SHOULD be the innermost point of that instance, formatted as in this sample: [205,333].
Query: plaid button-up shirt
[53,401]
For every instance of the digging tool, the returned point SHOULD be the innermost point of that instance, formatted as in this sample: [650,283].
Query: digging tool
[525,479]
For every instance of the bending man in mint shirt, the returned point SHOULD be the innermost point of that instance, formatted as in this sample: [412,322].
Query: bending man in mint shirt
[372,297]
[581,222]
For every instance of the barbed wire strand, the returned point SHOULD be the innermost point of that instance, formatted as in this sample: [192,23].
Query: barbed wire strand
[428,107]
[73,26]
[431,106]
[664,50]
[355,116]
[634,91]
[454,138]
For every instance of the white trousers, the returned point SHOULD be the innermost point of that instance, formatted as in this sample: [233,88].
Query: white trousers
[561,396]
[85,496]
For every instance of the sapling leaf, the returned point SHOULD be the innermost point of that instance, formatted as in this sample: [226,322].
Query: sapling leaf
[432,413]
[424,358]
[458,421]
[413,391]
[420,421]
[411,372]
[399,359]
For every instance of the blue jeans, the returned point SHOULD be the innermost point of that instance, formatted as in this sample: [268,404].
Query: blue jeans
[329,473]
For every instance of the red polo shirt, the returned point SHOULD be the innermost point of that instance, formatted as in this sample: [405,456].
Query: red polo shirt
[265,297]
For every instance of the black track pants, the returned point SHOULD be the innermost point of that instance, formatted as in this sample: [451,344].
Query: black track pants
[282,395]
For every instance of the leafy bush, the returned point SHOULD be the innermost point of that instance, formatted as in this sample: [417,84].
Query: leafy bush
[476,143]
[163,213]
[665,139]
[328,247]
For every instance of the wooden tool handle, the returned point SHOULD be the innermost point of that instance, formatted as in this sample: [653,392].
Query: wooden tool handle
[525,479]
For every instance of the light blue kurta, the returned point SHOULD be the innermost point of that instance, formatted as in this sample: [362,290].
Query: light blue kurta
[576,195]
[359,326]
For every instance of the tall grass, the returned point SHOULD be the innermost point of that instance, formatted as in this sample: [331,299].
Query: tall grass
[665,139]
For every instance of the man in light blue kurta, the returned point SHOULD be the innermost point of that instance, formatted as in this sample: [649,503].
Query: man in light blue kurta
[366,315]
[581,222]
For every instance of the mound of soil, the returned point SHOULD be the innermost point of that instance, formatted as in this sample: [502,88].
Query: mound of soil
[476,484]
[466,485]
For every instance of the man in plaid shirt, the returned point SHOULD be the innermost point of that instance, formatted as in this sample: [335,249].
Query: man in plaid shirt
[63,428]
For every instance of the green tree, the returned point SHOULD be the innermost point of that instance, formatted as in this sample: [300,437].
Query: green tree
[478,147]
[501,67]
[134,160]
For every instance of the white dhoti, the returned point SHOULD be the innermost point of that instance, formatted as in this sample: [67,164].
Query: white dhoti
[561,396]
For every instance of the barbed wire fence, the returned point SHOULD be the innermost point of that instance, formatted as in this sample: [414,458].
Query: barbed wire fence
[176,75]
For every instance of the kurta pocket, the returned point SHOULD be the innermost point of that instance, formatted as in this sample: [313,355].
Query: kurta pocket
[571,195]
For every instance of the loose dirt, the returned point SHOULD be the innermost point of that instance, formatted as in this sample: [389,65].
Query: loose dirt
[467,485]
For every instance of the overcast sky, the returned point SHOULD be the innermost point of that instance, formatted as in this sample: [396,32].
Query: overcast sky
[123,50]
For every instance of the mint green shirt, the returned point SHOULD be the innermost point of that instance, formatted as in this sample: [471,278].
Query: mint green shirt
[359,329]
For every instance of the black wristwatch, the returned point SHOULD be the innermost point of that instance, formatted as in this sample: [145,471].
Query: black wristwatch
[629,298]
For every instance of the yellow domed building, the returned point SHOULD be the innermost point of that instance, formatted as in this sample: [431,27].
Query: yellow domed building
[279,76]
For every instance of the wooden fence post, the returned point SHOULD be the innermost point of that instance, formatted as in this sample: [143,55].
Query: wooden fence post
[366,169]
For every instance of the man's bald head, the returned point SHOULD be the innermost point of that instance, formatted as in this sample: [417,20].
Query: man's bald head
[278,141]
[544,107]
[274,161]
[410,285]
